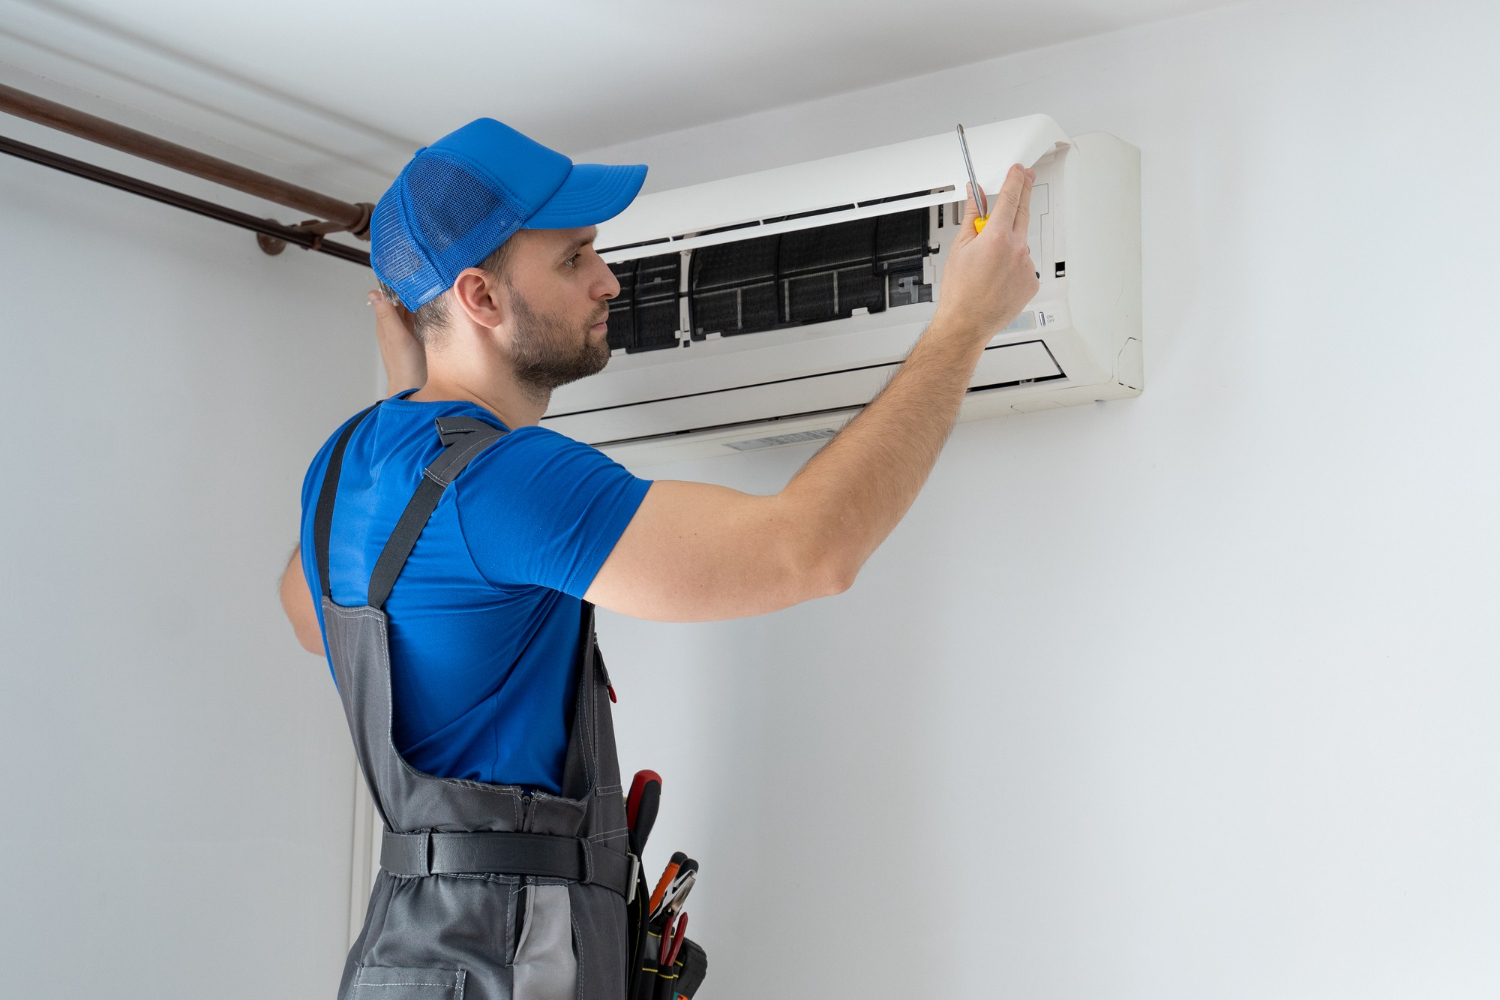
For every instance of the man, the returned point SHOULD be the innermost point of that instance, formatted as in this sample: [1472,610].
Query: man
[473,686]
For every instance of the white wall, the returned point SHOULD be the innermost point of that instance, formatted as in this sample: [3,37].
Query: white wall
[175,774]
[1186,696]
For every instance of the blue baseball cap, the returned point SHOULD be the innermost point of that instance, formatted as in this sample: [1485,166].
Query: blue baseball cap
[463,196]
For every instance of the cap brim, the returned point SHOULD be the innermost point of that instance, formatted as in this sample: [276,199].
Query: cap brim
[592,193]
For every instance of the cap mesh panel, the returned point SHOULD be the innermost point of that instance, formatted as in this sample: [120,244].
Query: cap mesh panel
[458,218]
[448,201]
[396,261]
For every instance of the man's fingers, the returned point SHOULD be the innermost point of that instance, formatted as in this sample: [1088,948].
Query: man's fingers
[971,211]
[1008,201]
[1023,209]
[966,227]
[385,308]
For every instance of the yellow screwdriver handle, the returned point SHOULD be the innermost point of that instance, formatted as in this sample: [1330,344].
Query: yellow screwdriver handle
[979,223]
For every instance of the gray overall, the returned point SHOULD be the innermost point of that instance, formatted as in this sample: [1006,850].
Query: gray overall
[486,892]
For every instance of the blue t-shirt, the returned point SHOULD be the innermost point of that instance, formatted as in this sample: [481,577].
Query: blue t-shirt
[484,618]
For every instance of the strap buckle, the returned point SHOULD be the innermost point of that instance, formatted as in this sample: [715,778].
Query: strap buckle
[424,852]
[586,849]
[635,874]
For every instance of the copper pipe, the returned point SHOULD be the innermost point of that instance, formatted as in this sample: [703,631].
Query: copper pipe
[355,218]
[273,235]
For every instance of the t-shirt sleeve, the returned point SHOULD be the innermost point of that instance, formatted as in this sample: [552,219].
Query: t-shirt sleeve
[542,509]
[312,486]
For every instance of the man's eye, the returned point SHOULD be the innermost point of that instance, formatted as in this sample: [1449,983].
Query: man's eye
[573,259]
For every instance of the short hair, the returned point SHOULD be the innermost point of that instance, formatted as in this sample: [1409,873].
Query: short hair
[430,320]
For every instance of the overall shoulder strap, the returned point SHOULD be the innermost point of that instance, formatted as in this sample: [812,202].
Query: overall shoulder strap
[465,438]
[323,517]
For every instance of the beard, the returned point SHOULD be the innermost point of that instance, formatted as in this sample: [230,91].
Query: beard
[548,351]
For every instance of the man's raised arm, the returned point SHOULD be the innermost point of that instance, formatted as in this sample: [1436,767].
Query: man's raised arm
[695,552]
[297,602]
[405,366]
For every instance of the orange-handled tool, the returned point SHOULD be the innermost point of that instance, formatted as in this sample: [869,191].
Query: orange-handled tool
[666,879]
[980,201]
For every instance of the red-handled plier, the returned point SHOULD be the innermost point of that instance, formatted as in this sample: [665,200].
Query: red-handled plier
[672,937]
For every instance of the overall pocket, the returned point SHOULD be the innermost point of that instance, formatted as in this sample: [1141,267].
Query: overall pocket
[379,982]
[546,966]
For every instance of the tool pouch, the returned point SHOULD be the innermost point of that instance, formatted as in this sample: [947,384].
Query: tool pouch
[648,981]
[685,976]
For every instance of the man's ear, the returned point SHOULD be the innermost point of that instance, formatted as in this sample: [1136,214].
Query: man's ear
[477,293]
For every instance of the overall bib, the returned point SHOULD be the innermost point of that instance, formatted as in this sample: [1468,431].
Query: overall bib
[486,892]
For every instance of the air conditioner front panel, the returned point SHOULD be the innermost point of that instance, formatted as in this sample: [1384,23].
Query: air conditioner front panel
[729,362]
[1005,364]
[981,403]
[706,368]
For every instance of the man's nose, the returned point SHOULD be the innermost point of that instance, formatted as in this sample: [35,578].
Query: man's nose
[610,285]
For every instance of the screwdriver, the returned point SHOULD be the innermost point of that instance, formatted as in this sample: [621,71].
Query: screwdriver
[641,807]
[980,201]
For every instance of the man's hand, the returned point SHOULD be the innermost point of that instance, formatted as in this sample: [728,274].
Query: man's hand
[989,276]
[405,360]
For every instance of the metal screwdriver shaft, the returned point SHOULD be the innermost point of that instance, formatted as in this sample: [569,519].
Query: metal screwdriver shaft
[980,201]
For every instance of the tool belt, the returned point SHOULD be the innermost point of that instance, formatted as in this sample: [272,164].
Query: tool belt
[542,854]
[659,970]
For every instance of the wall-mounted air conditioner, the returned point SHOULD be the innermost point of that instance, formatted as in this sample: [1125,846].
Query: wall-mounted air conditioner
[768,308]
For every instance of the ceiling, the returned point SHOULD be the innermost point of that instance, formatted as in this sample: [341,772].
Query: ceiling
[338,93]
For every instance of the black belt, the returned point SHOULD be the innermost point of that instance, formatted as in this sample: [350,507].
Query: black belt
[508,854]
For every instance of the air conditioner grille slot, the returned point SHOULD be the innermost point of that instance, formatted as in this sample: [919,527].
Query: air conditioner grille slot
[826,247]
[645,316]
[809,276]
[735,264]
